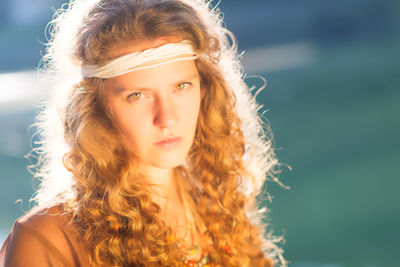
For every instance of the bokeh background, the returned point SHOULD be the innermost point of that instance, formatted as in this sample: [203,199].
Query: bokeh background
[332,100]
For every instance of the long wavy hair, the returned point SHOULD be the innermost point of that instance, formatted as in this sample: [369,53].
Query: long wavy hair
[83,163]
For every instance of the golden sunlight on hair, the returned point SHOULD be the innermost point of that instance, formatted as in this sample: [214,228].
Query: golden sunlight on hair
[157,163]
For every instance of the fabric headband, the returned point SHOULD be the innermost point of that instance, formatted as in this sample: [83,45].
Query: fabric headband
[145,59]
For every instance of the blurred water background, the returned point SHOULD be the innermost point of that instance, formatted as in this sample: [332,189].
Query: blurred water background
[332,100]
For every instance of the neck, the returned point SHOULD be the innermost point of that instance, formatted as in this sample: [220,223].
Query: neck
[163,182]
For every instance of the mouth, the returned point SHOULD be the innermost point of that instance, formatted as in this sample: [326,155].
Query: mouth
[169,142]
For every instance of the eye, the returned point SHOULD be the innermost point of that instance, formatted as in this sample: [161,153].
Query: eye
[183,86]
[135,96]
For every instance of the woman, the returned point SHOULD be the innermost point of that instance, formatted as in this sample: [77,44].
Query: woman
[161,140]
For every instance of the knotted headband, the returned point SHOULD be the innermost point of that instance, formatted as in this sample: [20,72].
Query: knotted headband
[138,60]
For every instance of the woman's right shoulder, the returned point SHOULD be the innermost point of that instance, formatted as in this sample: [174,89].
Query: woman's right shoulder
[42,237]
[44,219]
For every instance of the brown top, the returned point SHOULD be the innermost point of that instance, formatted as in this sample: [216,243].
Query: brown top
[42,238]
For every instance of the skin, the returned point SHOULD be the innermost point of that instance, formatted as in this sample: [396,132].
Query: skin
[151,105]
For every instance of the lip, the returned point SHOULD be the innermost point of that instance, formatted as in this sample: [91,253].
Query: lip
[169,142]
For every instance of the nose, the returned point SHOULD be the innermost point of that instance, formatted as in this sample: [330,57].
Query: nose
[165,116]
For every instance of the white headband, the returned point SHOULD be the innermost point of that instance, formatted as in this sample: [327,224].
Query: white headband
[148,58]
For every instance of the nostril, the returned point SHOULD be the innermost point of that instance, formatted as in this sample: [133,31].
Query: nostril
[165,117]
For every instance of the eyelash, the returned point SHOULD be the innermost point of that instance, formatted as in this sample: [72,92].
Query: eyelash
[130,96]
[187,84]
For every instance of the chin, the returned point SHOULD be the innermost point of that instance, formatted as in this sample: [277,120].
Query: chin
[168,162]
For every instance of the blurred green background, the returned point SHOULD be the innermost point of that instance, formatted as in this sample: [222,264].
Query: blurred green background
[332,100]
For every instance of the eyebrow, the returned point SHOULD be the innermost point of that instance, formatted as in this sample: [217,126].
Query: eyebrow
[119,90]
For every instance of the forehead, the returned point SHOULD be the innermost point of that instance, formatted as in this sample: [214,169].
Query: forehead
[156,77]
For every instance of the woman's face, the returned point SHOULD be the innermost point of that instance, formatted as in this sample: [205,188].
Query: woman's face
[156,109]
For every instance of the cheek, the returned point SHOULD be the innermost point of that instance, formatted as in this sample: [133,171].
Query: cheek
[135,126]
[190,112]
[197,105]
[132,125]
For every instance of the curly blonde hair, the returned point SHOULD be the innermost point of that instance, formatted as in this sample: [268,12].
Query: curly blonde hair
[228,163]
